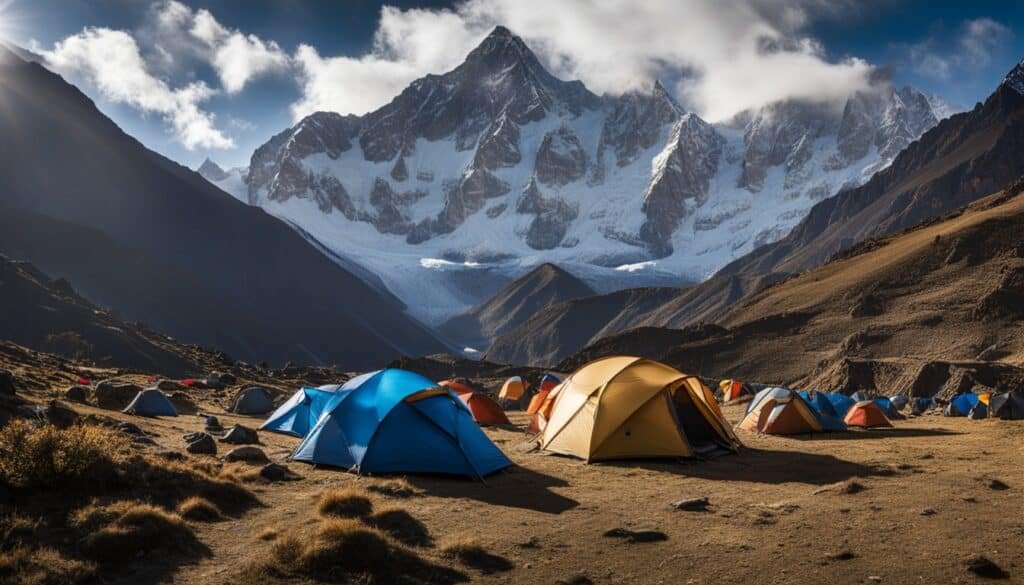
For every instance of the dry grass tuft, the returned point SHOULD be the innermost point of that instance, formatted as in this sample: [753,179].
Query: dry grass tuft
[346,545]
[471,553]
[26,566]
[17,530]
[43,457]
[345,503]
[199,509]
[268,534]
[139,528]
[401,526]
[395,488]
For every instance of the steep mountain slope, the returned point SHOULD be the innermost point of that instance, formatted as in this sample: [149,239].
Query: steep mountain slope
[46,314]
[158,244]
[560,330]
[960,160]
[540,288]
[231,181]
[935,309]
[498,164]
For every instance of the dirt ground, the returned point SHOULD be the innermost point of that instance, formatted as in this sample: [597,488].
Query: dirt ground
[776,514]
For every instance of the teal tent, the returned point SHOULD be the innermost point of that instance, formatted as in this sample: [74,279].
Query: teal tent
[394,421]
[299,414]
[253,400]
[151,402]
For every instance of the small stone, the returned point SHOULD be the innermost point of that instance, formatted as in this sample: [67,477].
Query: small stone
[129,428]
[929,512]
[200,444]
[275,472]
[59,414]
[77,394]
[692,504]
[875,578]
[247,453]
[983,567]
[212,424]
[171,455]
[240,435]
[999,485]
[970,499]
[634,536]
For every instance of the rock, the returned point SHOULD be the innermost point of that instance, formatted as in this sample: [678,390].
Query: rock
[170,455]
[275,472]
[114,394]
[843,487]
[636,122]
[77,394]
[692,504]
[141,440]
[247,453]
[240,435]
[129,428]
[213,425]
[560,158]
[59,415]
[6,383]
[635,536]
[183,402]
[983,567]
[681,178]
[399,172]
[843,555]
[874,578]
[168,386]
[929,512]
[999,485]
[200,444]
[226,378]
[499,145]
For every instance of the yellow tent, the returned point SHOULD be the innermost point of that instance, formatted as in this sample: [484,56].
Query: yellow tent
[627,407]
[513,389]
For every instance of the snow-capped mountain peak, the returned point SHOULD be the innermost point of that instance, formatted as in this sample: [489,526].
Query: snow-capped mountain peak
[1015,78]
[498,165]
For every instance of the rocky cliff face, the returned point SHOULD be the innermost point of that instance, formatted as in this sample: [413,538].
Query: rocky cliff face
[600,182]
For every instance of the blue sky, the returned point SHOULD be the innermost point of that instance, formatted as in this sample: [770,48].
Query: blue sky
[218,78]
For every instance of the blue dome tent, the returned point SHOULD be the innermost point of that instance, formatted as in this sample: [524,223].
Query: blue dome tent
[899,401]
[890,410]
[394,421]
[824,410]
[151,402]
[300,412]
[840,402]
[961,404]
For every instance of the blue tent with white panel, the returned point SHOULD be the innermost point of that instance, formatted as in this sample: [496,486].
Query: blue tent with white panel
[299,414]
[394,421]
[824,410]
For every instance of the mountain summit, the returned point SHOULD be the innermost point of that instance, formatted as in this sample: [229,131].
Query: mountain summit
[467,179]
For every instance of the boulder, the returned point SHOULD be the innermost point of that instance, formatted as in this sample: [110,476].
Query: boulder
[59,414]
[6,383]
[114,394]
[169,386]
[275,472]
[129,428]
[247,453]
[213,425]
[77,394]
[183,402]
[200,444]
[226,378]
[240,435]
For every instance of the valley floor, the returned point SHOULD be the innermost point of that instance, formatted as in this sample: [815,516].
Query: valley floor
[779,511]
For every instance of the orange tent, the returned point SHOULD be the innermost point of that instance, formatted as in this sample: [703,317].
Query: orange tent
[732,389]
[512,389]
[485,411]
[456,386]
[540,418]
[866,414]
[547,384]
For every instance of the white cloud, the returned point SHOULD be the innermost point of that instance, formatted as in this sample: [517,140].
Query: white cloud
[975,42]
[111,60]
[236,57]
[729,55]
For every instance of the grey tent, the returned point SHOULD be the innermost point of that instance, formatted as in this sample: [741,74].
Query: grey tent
[859,396]
[151,402]
[899,401]
[1007,405]
[978,411]
[253,400]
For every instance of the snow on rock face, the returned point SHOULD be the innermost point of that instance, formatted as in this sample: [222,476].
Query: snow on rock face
[1015,78]
[500,166]
[682,174]
[561,158]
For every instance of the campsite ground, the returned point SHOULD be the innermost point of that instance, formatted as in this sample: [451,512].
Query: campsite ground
[779,511]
